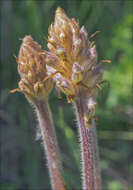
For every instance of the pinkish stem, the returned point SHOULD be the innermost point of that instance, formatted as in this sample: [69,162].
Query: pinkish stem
[50,145]
[89,150]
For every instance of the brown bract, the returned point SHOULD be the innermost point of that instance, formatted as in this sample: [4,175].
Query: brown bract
[32,60]
[76,67]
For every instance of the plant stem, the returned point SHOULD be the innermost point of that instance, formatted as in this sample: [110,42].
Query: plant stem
[50,145]
[89,150]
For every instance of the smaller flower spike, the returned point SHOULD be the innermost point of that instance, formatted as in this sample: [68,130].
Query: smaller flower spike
[77,67]
[32,69]
[36,86]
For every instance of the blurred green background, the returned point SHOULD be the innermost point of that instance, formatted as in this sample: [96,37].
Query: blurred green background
[22,162]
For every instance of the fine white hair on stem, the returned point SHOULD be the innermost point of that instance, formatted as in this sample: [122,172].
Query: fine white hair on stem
[88,142]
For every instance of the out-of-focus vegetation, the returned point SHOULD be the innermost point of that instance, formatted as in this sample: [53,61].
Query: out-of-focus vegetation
[22,163]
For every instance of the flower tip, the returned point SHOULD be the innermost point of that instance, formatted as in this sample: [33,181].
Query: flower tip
[14,90]
[83,31]
[59,10]
[60,14]
[105,61]
[27,38]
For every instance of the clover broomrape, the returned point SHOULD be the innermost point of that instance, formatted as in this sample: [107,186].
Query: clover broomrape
[36,87]
[78,75]
[72,64]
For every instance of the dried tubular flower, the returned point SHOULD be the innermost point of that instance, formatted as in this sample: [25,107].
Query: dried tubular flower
[36,86]
[78,75]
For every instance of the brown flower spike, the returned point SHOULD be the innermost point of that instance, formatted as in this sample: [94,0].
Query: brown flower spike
[32,69]
[78,75]
[36,86]
[76,67]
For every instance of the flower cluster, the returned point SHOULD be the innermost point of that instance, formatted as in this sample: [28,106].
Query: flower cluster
[32,61]
[76,67]
[71,62]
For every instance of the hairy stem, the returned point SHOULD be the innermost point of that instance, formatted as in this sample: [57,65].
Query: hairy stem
[50,145]
[89,149]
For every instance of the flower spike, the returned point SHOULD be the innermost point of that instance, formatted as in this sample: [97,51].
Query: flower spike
[78,75]
[77,57]
[36,86]
[32,69]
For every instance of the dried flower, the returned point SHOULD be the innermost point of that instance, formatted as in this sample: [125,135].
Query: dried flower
[76,67]
[32,69]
